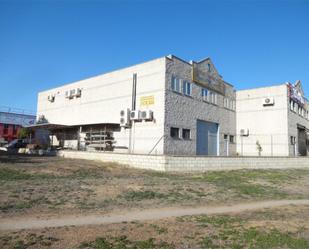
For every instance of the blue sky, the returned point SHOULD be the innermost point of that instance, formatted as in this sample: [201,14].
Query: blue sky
[44,44]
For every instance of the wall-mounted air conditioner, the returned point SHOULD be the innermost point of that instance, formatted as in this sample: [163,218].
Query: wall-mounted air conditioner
[268,101]
[147,115]
[135,115]
[67,95]
[125,118]
[51,98]
[78,92]
[244,132]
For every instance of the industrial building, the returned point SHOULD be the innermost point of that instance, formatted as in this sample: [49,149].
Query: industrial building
[164,106]
[173,107]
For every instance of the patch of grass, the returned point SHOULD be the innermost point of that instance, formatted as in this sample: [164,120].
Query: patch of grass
[229,233]
[31,240]
[219,220]
[23,204]
[7,174]
[142,195]
[123,242]
[273,239]
[241,182]
[159,230]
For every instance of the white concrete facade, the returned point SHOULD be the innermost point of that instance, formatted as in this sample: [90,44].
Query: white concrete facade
[194,111]
[103,97]
[269,124]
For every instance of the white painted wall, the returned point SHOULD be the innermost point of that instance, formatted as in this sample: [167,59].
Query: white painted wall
[266,124]
[104,96]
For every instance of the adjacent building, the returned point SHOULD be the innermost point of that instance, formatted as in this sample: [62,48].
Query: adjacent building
[11,120]
[175,107]
[274,118]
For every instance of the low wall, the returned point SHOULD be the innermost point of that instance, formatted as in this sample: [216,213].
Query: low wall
[131,160]
[190,164]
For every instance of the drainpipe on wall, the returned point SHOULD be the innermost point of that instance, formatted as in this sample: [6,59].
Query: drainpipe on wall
[132,138]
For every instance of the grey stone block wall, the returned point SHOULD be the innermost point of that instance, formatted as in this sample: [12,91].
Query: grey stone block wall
[293,120]
[190,164]
[183,111]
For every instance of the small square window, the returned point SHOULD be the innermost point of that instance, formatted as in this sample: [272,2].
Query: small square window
[174,132]
[186,134]
[232,139]
[226,136]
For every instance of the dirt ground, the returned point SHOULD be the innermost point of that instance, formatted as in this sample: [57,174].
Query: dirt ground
[53,187]
[285,227]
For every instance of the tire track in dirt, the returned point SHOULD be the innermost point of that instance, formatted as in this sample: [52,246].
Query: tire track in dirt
[150,214]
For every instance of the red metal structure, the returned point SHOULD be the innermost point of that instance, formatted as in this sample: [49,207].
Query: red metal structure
[11,120]
[9,131]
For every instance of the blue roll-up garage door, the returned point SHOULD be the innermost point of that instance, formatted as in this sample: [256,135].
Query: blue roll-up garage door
[206,138]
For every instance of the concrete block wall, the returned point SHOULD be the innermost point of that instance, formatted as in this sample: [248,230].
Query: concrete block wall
[190,164]
[151,162]
[182,111]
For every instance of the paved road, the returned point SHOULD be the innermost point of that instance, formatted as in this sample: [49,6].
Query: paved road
[151,214]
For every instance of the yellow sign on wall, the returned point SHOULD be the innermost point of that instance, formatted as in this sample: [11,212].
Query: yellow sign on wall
[147,100]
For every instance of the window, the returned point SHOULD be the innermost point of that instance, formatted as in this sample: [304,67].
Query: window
[186,88]
[174,132]
[295,107]
[232,139]
[213,97]
[205,94]
[5,126]
[291,105]
[186,134]
[226,136]
[176,84]
[209,67]
[293,140]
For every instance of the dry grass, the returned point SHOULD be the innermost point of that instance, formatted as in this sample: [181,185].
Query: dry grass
[49,185]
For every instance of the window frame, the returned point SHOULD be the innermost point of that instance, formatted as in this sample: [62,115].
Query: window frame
[186,85]
[189,132]
[175,129]
[176,84]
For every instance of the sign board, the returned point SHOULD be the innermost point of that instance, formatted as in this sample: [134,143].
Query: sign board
[296,95]
[206,78]
[147,100]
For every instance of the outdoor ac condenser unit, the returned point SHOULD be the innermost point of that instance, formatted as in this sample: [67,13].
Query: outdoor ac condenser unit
[244,133]
[147,115]
[135,115]
[78,93]
[125,118]
[51,98]
[268,101]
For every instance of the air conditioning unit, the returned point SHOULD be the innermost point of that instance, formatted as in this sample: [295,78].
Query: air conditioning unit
[67,95]
[244,133]
[147,115]
[78,93]
[51,98]
[125,118]
[135,115]
[268,101]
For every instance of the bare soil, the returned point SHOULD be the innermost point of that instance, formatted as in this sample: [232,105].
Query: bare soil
[46,188]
